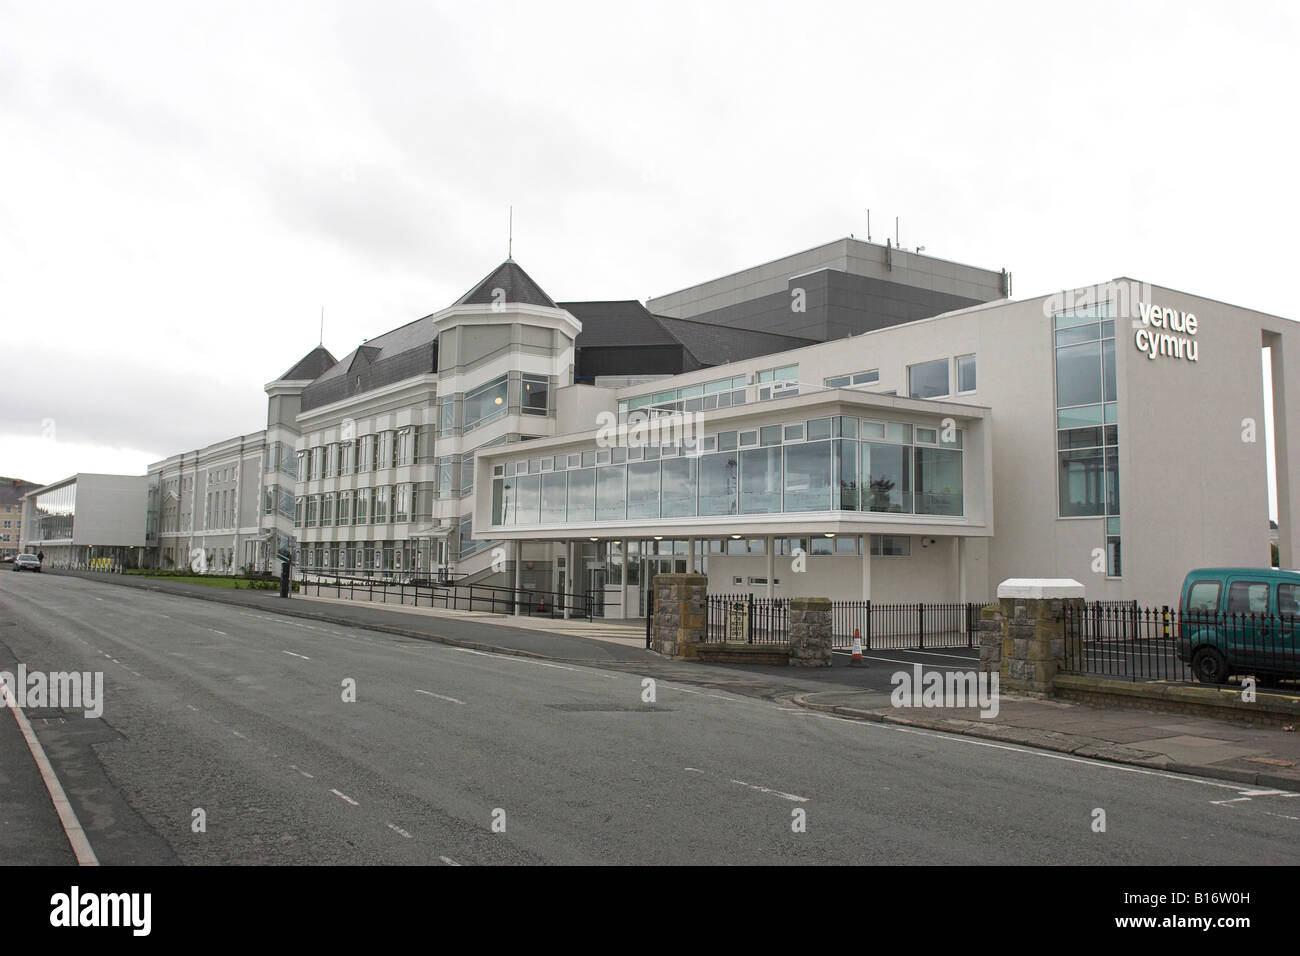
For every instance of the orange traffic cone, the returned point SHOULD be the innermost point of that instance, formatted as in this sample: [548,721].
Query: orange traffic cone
[857,660]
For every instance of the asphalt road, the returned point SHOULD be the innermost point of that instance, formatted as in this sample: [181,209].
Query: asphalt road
[240,713]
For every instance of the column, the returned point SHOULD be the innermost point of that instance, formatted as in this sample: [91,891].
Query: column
[627,563]
[568,577]
[517,547]
[690,547]
[771,567]
[961,570]
[866,567]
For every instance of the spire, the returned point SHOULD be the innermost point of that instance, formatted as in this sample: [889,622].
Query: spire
[515,285]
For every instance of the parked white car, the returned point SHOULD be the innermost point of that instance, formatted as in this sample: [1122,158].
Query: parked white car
[27,562]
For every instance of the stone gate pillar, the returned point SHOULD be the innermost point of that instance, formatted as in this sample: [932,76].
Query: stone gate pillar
[681,614]
[1032,612]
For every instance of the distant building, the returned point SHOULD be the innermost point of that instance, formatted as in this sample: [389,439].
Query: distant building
[86,519]
[11,514]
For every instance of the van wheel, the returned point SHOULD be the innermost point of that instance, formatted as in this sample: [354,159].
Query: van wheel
[1209,666]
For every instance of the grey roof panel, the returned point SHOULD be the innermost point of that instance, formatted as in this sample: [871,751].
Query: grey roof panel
[310,366]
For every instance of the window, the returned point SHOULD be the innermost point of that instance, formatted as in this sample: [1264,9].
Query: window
[856,378]
[582,494]
[1247,597]
[965,373]
[402,454]
[928,380]
[485,404]
[367,457]
[611,486]
[808,477]
[891,546]
[760,480]
[886,477]
[1288,600]
[534,394]
[938,482]
[384,455]
[678,488]
[643,489]
[717,481]
[555,488]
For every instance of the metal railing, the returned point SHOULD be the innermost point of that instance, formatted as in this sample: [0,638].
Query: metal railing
[743,618]
[451,596]
[1163,644]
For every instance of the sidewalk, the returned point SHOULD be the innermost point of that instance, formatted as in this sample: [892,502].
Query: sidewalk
[1182,744]
[523,636]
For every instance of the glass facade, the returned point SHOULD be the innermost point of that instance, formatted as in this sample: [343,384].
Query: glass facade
[1087,416]
[826,464]
[54,514]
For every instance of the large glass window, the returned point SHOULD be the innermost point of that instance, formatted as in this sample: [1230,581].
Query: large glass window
[1082,476]
[582,494]
[485,404]
[643,489]
[760,481]
[528,500]
[1078,374]
[678,487]
[886,477]
[938,482]
[808,477]
[555,490]
[611,486]
[717,480]
[367,459]
[928,380]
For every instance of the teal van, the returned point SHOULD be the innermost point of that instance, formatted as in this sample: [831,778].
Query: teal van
[1240,621]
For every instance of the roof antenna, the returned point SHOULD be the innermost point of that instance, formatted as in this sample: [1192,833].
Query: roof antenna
[868,225]
[322,325]
[510,241]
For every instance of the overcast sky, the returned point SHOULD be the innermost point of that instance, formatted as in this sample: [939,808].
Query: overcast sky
[185,185]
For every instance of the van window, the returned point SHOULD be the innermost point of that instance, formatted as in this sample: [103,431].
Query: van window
[1247,597]
[1203,598]
[1288,599]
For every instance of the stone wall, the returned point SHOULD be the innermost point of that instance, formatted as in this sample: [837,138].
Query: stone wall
[1032,613]
[990,631]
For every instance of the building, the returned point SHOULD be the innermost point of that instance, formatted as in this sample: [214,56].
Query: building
[86,519]
[11,514]
[1113,434]
[854,421]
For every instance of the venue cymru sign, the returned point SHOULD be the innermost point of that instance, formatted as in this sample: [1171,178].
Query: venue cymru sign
[1165,332]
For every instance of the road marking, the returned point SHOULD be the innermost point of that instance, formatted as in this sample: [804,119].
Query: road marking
[439,696]
[67,816]
[192,707]
[720,697]
[344,796]
[508,657]
[215,631]
[239,735]
[844,652]
[785,796]
[396,829]
[294,766]
[292,654]
[448,860]
[693,770]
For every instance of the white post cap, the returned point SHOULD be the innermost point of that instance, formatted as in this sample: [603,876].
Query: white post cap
[1040,588]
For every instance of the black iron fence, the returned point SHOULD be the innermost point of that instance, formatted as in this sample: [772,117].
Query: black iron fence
[745,619]
[1132,643]
[492,598]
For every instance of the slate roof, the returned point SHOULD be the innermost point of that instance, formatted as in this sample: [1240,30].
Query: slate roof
[310,366]
[623,322]
[719,344]
[518,287]
[627,323]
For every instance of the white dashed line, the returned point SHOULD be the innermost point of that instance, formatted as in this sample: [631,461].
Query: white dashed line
[344,797]
[439,696]
[448,860]
[292,654]
[507,657]
[396,829]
